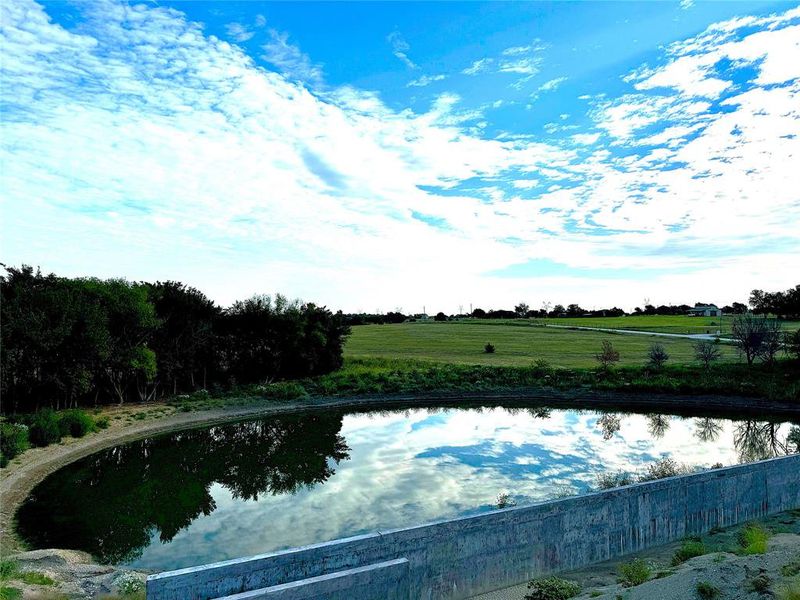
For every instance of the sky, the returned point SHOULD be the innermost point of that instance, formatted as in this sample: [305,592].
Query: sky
[384,156]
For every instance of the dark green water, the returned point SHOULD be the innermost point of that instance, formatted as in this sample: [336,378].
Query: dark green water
[211,494]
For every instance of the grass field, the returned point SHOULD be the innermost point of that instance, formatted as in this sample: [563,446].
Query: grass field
[655,323]
[463,342]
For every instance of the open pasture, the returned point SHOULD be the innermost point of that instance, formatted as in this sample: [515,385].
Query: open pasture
[463,342]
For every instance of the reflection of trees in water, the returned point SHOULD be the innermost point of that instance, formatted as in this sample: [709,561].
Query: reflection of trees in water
[707,429]
[609,424]
[758,440]
[658,425]
[111,504]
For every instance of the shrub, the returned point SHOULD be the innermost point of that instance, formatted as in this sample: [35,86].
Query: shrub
[13,441]
[44,429]
[489,348]
[75,422]
[284,390]
[688,550]
[129,584]
[552,588]
[707,591]
[752,539]
[102,423]
[657,355]
[634,573]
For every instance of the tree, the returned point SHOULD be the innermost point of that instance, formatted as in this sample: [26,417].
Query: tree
[522,309]
[574,310]
[440,316]
[558,311]
[792,344]
[183,341]
[749,332]
[607,356]
[657,355]
[479,313]
[772,341]
[706,352]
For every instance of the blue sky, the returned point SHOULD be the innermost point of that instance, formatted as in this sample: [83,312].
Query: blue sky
[375,156]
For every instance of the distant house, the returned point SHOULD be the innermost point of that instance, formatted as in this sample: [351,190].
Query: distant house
[709,310]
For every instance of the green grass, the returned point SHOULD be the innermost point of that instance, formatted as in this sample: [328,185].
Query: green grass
[463,343]
[752,539]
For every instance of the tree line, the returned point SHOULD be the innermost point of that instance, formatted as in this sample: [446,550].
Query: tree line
[784,305]
[75,341]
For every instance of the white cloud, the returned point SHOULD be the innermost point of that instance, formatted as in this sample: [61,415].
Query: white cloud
[239,32]
[552,84]
[289,58]
[173,155]
[478,66]
[425,80]
[400,48]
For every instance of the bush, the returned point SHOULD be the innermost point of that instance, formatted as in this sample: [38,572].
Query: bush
[13,441]
[634,573]
[488,348]
[688,550]
[75,422]
[707,591]
[102,423]
[666,467]
[44,429]
[752,539]
[607,481]
[552,588]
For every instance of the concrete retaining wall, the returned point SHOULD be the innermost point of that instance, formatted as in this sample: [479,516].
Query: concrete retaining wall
[462,557]
[383,581]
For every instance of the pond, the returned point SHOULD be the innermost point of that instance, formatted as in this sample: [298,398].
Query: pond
[228,491]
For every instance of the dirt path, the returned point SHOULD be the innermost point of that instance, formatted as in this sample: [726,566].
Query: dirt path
[134,422]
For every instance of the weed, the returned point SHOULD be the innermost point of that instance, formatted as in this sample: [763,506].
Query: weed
[752,539]
[9,593]
[489,348]
[760,583]
[791,569]
[707,591]
[789,591]
[35,578]
[102,423]
[8,568]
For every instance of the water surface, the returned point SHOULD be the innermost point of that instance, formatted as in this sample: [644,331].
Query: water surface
[228,491]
